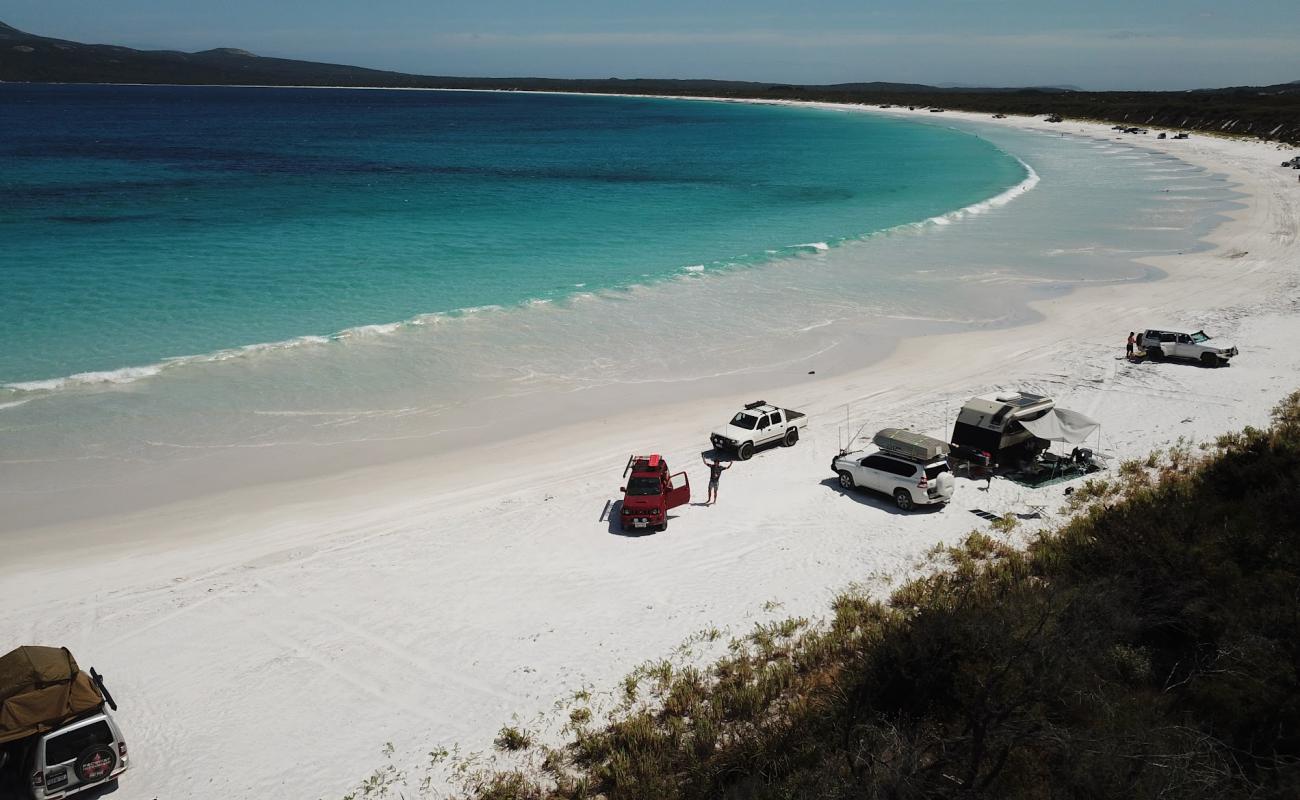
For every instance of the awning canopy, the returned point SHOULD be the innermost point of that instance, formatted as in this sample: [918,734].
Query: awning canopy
[1062,425]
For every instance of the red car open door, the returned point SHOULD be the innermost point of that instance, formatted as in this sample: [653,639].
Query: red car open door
[679,491]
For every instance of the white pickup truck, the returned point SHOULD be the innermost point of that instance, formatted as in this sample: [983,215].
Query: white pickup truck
[760,423]
[1190,346]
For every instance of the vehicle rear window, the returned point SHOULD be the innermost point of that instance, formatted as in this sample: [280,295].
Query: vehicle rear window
[935,470]
[643,486]
[67,746]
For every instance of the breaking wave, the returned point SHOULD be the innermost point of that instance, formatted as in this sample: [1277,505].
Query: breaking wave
[21,392]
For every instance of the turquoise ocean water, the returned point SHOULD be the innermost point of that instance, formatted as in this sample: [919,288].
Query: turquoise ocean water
[146,223]
[204,288]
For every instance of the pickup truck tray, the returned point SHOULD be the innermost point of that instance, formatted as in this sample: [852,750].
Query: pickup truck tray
[909,445]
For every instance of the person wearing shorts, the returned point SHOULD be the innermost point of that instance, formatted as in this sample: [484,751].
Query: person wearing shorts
[716,468]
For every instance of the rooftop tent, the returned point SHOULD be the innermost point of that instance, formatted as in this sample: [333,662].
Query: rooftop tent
[914,446]
[1062,425]
[40,688]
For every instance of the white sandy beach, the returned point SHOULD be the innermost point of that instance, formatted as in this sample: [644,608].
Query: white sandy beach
[268,642]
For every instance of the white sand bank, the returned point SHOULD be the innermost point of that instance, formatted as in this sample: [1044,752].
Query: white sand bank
[268,642]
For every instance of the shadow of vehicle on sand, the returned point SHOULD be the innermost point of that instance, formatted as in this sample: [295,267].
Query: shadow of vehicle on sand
[879,500]
[615,523]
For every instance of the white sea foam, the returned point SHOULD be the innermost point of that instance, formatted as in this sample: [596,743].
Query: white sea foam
[115,376]
[997,201]
[127,375]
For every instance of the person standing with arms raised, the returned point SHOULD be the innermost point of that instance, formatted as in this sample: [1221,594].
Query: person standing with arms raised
[716,468]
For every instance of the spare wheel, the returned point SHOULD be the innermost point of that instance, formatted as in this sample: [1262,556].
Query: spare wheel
[95,763]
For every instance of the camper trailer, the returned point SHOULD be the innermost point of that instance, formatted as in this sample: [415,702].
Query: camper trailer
[988,428]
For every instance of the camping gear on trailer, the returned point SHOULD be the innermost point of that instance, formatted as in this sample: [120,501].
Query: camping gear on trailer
[989,428]
[1062,425]
[909,445]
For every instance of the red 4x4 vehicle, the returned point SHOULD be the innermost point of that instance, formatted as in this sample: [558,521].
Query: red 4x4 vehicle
[650,492]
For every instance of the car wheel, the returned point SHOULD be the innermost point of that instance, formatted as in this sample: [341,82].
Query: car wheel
[1209,359]
[791,437]
[661,527]
[746,451]
[95,763]
[846,480]
[1156,354]
[903,499]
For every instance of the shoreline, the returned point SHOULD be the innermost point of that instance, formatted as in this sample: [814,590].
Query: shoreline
[26,391]
[429,600]
[297,461]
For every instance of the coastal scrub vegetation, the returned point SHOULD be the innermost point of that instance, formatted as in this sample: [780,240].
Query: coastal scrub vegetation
[1148,647]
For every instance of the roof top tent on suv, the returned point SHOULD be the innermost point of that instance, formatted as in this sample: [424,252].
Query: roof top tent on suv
[57,737]
[988,428]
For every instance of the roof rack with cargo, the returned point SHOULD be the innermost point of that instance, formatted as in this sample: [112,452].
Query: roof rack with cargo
[909,445]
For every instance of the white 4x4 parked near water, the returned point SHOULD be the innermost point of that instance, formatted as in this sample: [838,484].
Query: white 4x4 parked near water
[760,423]
[910,483]
[1190,346]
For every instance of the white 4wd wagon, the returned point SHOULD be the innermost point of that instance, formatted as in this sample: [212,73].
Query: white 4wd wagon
[911,468]
[1190,346]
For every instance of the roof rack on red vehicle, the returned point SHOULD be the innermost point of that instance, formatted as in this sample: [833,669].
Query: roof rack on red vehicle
[651,462]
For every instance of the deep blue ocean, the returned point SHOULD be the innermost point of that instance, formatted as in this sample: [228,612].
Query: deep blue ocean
[139,224]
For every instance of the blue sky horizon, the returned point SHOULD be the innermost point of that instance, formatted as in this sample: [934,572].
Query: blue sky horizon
[1101,45]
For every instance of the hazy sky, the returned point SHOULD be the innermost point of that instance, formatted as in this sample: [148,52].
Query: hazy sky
[1094,44]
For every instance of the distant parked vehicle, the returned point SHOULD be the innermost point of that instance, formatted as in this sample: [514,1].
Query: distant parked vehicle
[1054,118]
[999,116]
[1182,135]
[651,492]
[759,423]
[1188,346]
[911,468]
[57,736]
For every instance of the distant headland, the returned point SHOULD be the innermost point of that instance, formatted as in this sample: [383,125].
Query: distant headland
[1270,112]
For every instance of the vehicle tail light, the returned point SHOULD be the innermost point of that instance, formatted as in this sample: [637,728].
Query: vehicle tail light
[924,483]
[121,750]
[38,779]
